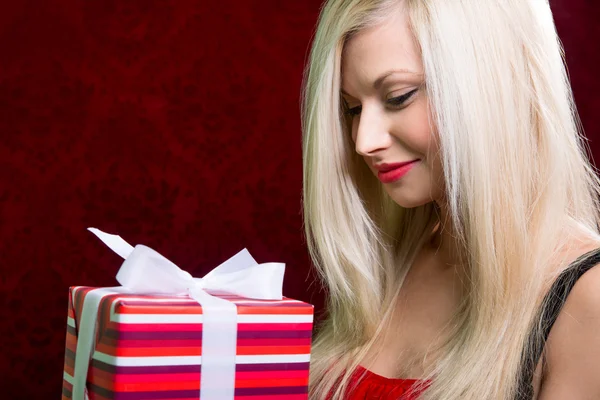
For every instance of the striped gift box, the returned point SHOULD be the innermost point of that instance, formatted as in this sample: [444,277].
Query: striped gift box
[150,347]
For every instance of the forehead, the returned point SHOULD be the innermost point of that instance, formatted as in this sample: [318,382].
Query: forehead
[379,49]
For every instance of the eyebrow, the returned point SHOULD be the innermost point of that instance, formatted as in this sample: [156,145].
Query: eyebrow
[379,81]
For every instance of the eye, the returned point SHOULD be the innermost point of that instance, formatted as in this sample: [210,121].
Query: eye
[400,100]
[396,102]
[353,111]
[350,111]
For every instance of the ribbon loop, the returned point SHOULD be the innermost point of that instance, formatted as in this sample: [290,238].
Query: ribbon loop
[147,271]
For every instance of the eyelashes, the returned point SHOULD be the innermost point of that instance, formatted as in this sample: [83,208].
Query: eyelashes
[400,100]
[395,102]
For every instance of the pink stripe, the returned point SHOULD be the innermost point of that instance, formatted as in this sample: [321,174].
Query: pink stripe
[198,327]
[182,398]
[258,375]
[275,327]
[139,378]
[274,342]
[198,342]
[159,327]
[161,343]
[242,303]
[271,397]
[194,377]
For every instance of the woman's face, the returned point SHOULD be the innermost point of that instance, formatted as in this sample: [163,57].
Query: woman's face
[382,86]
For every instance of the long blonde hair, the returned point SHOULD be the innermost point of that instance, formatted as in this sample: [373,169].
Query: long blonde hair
[516,174]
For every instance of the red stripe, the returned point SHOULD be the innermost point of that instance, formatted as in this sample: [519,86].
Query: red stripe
[69,366]
[260,350]
[198,342]
[67,385]
[71,342]
[152,351]
[156,386]
[95,396]
[155,308]
[149,351]
[101,374]
[273,382]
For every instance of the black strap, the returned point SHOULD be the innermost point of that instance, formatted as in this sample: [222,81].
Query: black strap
[551,306]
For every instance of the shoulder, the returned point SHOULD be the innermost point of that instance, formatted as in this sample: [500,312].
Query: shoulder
[573,346]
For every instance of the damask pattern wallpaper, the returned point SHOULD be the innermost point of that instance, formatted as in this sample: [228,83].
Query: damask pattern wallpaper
[175,124]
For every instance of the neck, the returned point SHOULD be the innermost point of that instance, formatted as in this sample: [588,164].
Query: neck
[443,239]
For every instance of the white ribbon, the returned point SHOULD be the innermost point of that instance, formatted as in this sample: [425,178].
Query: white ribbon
[145,271]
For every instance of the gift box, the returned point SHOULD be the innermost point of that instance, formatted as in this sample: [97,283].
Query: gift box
[125,343]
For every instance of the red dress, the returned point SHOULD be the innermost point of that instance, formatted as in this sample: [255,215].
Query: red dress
[367,385]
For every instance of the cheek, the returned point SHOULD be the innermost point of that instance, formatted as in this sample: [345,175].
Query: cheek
[434,163]
[353,124]
[416,132]
[420,136]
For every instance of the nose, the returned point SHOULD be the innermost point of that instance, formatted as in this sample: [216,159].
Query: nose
[371,133]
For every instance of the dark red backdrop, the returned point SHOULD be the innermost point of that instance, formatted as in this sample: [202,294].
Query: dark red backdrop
[172,123]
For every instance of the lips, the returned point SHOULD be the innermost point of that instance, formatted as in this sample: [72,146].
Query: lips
[389,173]
[388,167]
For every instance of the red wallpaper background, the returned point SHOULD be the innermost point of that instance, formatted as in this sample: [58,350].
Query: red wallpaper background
[172,123]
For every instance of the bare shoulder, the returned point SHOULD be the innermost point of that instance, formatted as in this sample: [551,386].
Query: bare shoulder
[573,346]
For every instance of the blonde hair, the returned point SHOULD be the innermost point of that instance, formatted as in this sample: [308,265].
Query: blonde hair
[516,174]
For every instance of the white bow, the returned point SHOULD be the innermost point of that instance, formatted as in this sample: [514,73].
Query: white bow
[145,271]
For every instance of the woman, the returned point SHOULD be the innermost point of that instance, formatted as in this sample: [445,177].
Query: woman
[446,188]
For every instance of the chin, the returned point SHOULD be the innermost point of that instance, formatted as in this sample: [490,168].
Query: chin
[409,201]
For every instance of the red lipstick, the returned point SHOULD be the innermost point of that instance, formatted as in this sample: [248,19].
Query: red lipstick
[392,172]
